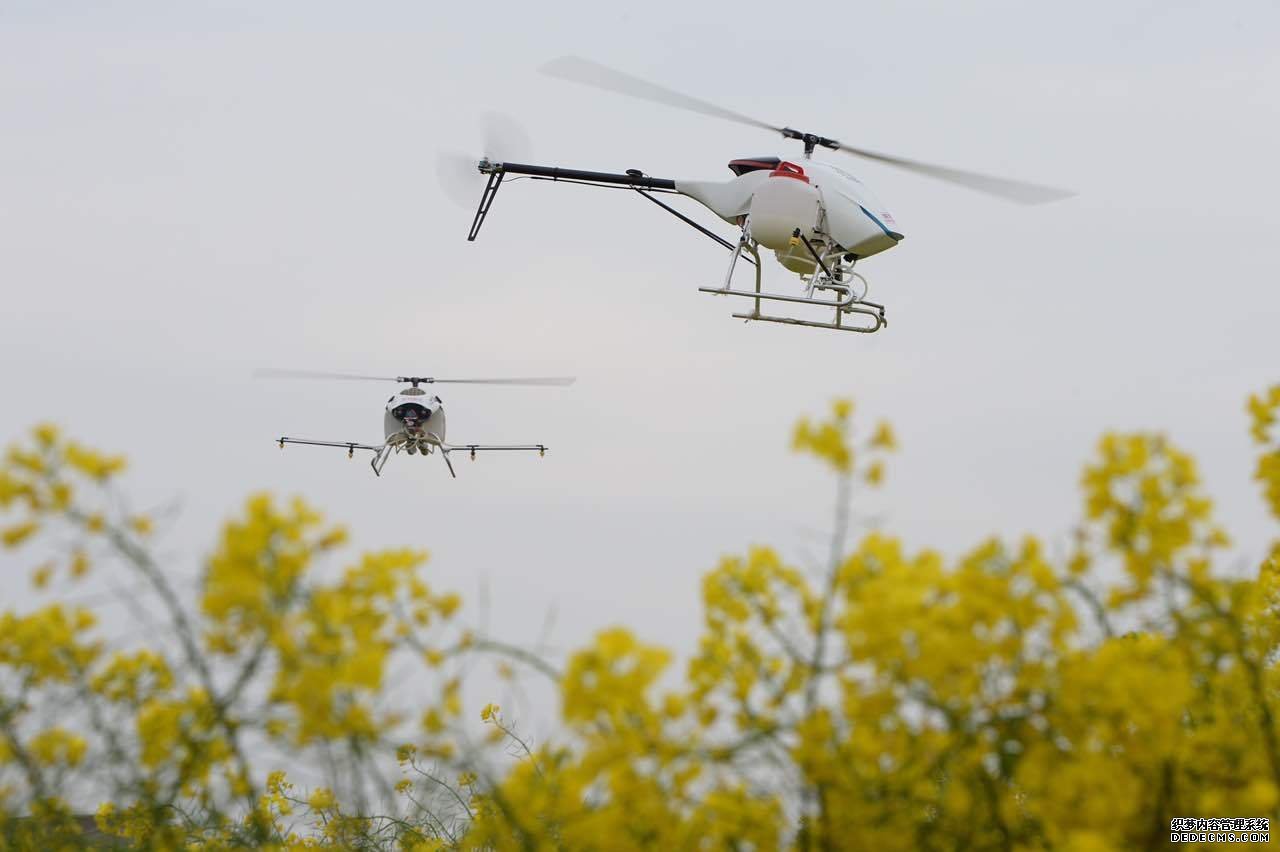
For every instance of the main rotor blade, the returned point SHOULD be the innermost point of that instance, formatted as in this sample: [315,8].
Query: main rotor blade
[552,381]
[545,381]
[1012,190]
[589,73]
[575,69]
[272,373]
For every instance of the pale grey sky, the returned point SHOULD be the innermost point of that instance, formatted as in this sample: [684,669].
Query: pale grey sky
[189,191]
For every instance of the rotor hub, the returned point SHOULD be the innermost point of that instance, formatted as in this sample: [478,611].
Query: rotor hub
[810,140]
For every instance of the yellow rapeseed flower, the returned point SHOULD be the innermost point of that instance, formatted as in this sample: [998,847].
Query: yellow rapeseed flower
[15,535]
[884,437]
[321,799]
[41,575]
[79,564]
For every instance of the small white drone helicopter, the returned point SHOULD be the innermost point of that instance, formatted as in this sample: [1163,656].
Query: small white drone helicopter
[414,420]
[818,219]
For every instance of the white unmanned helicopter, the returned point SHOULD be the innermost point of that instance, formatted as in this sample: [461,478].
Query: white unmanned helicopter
[414,421]
[818,219]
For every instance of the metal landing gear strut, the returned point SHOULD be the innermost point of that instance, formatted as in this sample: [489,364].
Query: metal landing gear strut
[832,273]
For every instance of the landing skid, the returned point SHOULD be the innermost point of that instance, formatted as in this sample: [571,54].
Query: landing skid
[832,273]
[380,459]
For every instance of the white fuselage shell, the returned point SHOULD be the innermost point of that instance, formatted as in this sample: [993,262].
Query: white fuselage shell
[831,202]
[423,434]
[783,208]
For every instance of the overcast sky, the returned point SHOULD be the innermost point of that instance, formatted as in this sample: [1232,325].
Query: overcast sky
[192,190]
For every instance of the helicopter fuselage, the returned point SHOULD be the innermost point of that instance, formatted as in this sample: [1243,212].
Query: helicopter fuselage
[775,198]
[818,219]
[414,421]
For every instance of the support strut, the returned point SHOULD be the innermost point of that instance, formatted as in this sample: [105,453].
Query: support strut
[847,302]
[634,179]
[486,201]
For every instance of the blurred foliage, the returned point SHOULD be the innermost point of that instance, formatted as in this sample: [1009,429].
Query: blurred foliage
[887,699]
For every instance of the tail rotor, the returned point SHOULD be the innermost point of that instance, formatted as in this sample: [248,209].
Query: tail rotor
[502,138]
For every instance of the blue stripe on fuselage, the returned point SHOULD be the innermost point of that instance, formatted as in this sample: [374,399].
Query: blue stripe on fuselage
[893,234]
